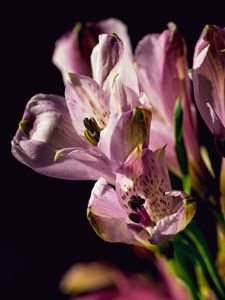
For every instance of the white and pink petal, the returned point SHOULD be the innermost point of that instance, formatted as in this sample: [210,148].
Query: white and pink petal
[208,78]
[86,99]
[124,133]
[106,215]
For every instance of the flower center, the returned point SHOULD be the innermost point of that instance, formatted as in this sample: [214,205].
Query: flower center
[92,131]
[139,214]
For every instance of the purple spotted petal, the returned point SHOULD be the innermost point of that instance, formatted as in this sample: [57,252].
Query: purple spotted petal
[181,215]
[208,78]
[146,175]
[143,210]
[86,99]
[107,216]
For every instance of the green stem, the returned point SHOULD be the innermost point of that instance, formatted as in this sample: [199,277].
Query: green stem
[194,233]
[177,267]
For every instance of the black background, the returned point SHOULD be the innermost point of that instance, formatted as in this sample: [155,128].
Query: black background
[43,227]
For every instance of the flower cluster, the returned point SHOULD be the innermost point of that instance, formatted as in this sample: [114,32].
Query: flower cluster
[127,120]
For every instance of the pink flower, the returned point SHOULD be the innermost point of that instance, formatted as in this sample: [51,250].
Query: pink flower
[136,289]
[73,50]
[103,281]
[208,79]
[78,137]
[143,209]
[162,69]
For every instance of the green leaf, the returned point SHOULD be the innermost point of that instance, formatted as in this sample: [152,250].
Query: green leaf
[205,259]
[183,266]
[180,147]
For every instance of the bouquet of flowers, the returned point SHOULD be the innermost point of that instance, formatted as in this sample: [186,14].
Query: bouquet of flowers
[129,122]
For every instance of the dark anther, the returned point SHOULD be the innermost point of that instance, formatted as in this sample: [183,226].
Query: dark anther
[135,202]
[97,136]
[92,131]
[88,125]
[94,125]
[135,217]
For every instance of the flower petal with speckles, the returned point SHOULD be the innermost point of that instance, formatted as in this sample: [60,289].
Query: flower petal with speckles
[107,216]
[146,175]
[86,99]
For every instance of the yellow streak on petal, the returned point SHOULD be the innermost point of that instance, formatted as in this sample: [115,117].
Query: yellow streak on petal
[86,277]
[23,126]
[58,155]
[207,161]
[191,207]
[77,27]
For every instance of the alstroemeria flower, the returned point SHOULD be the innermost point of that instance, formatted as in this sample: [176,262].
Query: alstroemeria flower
[73,50]
[136,288]
[78,137]
[162,69]
[103,281]
[209,79]
[143,209]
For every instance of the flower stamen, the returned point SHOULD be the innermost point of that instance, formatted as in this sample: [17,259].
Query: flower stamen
[136,218]
[136,203]
[92,131]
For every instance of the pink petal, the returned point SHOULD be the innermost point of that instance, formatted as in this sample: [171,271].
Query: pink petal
[124,133]
[161,135]
[145,175]
[215,125]
[111,294]
[135,288]
[86,99]
[86,164]
[113,69]
[67,56]
[170,225]
[162,69]
[163,74]
[116,26]
[208,78]
[45,127]
[107,216]
[106,54]
[72,51]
